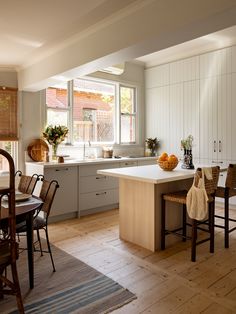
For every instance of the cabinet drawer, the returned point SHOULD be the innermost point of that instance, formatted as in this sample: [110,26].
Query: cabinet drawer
[91,170]
[129,164]
[96,183]
[98,199]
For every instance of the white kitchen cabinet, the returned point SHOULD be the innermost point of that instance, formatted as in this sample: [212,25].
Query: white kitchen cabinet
[176,119]
[215,118]
[157,115]
[233,117]
[97,191]
[157,76]
[216,63]
[191,114]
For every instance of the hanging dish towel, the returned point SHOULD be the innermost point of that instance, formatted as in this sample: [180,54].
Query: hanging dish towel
[197,199]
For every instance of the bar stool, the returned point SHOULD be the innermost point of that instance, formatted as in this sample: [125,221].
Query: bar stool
[180,197]
[229,190]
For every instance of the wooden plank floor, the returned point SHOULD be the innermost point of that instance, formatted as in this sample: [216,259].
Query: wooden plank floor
[164,282]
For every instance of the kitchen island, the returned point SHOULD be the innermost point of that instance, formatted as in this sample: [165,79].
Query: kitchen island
[140,190]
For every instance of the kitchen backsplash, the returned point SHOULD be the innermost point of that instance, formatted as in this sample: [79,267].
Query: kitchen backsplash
[95,151]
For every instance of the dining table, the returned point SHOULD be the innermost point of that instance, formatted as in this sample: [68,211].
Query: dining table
[24,211]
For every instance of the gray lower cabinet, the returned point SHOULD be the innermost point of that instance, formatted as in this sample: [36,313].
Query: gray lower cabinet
[96,191]
[65,203]
[82,190]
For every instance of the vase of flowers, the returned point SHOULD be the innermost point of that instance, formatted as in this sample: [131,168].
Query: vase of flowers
[187,145]
[152,145]
[54,136]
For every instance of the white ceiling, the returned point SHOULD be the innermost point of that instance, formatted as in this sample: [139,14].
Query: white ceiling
[29,29]
[223,38]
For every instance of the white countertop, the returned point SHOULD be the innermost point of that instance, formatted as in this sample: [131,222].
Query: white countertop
[78,162]
[151,174]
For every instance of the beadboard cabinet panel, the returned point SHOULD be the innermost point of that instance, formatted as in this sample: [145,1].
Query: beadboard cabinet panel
[216,63]
[202,98]
[191,69]
[208,118]
[176,72]
[224,117]
[157,76]
[176,118]
[191,113]
[233,51]
[157,115]
[184,70]
[233,118]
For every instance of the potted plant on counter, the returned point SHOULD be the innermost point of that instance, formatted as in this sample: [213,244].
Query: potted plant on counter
[55,135]
[152,145]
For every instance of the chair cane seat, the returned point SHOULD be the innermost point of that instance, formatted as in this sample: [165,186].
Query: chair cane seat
[220,192]
[177,197]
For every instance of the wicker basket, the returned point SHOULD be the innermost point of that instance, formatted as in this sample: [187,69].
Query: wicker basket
[167,165]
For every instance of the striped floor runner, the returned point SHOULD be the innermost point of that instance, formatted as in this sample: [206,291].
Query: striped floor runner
[99,294]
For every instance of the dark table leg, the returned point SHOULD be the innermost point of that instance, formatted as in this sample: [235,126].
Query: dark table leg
[30,247]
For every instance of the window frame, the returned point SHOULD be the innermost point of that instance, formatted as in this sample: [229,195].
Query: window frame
[128,114]
[117,112]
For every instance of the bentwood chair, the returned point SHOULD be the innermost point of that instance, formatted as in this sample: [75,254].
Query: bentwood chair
[8,244]
[180,197]
[27,183]
[226,192]
[47,194]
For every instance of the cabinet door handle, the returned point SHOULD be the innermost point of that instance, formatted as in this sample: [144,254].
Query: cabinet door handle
[217,162]
[102,177]
[214,146]
[62,169]
[220,146]
[102,193]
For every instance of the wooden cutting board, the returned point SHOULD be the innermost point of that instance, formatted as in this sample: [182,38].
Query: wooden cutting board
[37,150]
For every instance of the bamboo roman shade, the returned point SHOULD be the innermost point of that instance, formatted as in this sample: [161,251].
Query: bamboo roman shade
[8,114]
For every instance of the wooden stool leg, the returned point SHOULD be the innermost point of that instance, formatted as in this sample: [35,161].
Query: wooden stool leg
[211,225]
[226,221]
[184,223]
[194,240]
[163,223]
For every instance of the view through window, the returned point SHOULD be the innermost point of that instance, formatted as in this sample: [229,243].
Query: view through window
[92,114]
[93,111]
[9,147]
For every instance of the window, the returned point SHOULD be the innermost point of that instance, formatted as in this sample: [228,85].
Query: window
[57,105]
[94,110]
[8,125]
[128,114]
[10,147]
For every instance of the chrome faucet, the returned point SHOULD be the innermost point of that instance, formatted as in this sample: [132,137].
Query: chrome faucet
[84,151]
